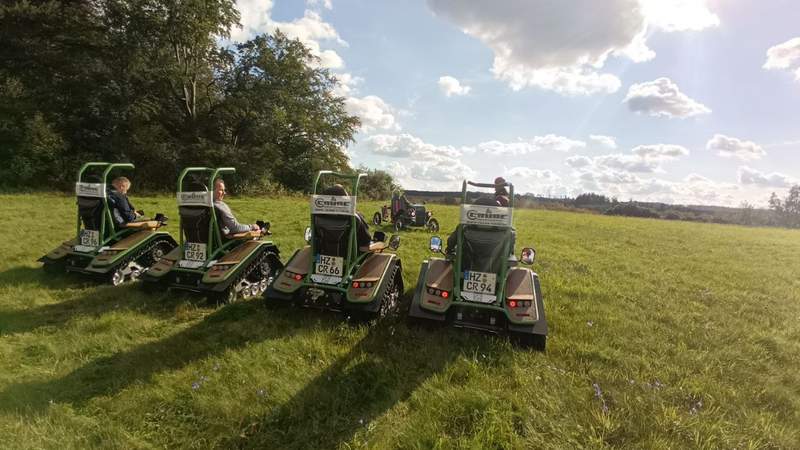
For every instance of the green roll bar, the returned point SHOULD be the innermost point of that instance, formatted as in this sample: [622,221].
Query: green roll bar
[214,235]
[352,242]
[457,273]
[106,211]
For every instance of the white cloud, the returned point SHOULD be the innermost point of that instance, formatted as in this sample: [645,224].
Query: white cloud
[578,161]
[570,81]
[562,46]
[662,98]
[528,173]
[421,164]
[327,4]
[660,152]
[732,147]
[604,141]
[254,18]
[694,189]
[627,163]
[451,86]
[346,84]
[547,143]
[679,15]
[535,43]
[409,146]
[310,29]
[544,182]
[751,176]
[785,56]
[375,114]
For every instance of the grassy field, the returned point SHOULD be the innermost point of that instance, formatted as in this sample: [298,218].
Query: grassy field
[662,335]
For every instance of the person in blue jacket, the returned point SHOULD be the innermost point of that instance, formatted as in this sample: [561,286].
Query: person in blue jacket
[122,210]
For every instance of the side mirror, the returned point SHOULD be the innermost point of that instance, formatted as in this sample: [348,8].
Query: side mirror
[436,244]
[394,242]
[379,236]
[307,235]
[527,256]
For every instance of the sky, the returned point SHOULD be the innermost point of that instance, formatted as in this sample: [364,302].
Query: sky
[677,101]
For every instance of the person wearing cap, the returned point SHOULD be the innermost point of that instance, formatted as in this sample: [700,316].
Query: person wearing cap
[500,191]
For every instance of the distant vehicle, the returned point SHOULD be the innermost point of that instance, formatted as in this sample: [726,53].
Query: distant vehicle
[402,213]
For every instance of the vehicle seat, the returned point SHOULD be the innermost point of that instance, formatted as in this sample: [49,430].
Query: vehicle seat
[332,233]
[91,211]
[483,248]
[194,223]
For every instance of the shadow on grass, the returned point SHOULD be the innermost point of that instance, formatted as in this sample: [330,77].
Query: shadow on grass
[24,275]
[231,327]
[98,300]
[382,370]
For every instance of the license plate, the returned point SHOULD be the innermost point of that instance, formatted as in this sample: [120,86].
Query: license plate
[325,279]
[194,251]
[329,265]
[184,264]
[479,282]
[478,298]
[90,238]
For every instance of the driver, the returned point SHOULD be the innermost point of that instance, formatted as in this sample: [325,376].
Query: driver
[228,222]
[500,192]
[121,208]
[362,228]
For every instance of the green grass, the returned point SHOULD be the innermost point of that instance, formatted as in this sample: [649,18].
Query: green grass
[662,335]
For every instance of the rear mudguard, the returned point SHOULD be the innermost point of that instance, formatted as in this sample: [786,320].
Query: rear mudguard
[222,273]
[286,283]
[60,252]
[415,311]
[522,285]
[163,267]
[372,271]
[218,276]
[376,269]
[119,252]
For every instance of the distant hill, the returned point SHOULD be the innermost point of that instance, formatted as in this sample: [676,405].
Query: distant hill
[598,204]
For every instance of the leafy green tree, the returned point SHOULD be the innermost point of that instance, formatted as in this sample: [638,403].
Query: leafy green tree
[146,81]
[378,185]
[788,209]
[279,113]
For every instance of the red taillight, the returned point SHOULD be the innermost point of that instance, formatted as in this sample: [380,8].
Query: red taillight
[445,294]
[355,284]
[512,304]
[298,277]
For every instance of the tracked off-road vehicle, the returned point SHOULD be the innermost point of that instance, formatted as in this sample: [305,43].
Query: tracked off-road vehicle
[402,214]
[333,271]
[101,248]
[225,267]
[479,283]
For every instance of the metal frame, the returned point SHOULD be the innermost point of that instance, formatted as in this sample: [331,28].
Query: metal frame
[106,211]
[352,243]
[214,235]
[501,277]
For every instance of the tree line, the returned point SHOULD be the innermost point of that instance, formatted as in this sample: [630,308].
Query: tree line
[147,82]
